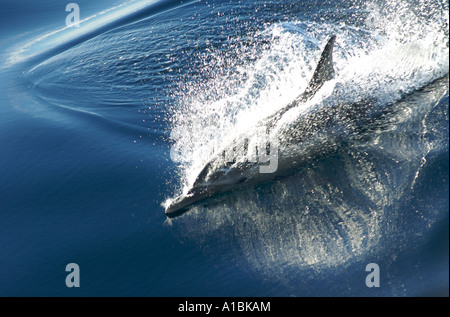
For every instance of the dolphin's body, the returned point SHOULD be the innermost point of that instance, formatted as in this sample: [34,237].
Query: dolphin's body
[221,175]
[310,135]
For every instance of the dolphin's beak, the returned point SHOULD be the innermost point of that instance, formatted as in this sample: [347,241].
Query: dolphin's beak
[177,206]
[182,203]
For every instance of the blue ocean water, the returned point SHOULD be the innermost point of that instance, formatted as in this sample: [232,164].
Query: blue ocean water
[102,124]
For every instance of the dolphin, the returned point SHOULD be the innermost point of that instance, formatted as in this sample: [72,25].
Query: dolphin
[225,171]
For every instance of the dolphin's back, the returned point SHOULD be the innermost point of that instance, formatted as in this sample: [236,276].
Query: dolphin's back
[324,71]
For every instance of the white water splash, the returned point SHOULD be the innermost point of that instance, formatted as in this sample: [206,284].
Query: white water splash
[333,212]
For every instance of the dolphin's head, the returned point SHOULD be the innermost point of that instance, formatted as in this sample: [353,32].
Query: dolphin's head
[182,203]
[211,181]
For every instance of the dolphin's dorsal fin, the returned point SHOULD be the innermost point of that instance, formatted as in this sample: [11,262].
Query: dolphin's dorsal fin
[324,70]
